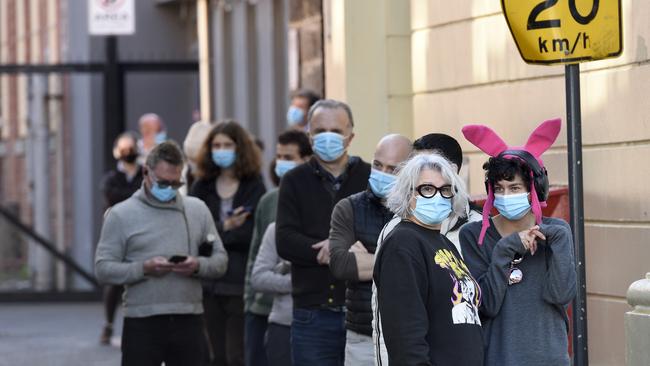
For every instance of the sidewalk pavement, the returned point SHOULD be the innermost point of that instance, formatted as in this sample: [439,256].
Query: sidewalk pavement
[55,334]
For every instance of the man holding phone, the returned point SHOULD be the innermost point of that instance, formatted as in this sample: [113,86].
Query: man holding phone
[159,244]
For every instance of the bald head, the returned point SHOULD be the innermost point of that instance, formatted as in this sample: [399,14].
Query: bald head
[391,151]
[150,123]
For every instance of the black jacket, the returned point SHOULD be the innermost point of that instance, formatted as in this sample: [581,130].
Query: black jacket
[370,216]
[236,241]
[116,187]
[304,210]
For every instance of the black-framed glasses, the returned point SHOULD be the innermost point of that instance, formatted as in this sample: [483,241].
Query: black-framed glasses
[429,190]
[164,184]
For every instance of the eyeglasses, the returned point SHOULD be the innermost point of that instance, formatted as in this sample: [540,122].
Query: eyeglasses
[429,190]
[164,184]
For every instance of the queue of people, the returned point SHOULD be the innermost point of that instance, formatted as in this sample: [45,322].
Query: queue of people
[346,262]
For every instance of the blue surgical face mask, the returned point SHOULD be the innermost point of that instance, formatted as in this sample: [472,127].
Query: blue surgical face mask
[163,194]
[381,183]
[283,166]
[224,158]
[329,146]
[295,116]
[160,137]
[432,211]
[512,206]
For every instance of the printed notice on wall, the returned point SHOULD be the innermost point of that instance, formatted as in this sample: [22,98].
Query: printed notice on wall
[111,17]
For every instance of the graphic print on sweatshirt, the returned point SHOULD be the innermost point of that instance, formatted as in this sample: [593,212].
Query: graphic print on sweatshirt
[466,296]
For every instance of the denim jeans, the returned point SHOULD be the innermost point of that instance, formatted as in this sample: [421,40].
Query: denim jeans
[318,337]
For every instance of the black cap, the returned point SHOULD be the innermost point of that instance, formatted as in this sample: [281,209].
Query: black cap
[444,144]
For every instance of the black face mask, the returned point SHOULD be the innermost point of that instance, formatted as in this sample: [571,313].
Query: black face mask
[130,158]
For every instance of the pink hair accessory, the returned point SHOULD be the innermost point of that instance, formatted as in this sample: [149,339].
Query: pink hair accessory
[540,140]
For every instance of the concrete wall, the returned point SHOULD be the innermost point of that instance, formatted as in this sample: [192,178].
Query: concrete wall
[306,19]
[368,65]
[249,59]
[466,69]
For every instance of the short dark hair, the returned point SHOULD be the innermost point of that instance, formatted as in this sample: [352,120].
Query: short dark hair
[497,169]
[298,138]
[127,135]
[311,96]
[446,145]
[330,104]
[168,151]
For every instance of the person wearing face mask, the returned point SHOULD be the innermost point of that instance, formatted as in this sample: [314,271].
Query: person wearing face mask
[428,299]
[301,102]
[229,182]
[447,147]
[308,194]
[354,229]
[159,245]
[523,261]
[292,149]
[118,185]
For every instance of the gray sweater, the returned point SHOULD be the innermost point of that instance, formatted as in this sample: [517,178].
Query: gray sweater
[141,228]
[524,323]
[271,274]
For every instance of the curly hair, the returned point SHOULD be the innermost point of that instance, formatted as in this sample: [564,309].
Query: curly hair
[497,169]
[248,163]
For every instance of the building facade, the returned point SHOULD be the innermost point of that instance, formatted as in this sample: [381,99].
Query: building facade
[51,176]
[433,65]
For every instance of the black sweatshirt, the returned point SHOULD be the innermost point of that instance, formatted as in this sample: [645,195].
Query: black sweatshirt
[427,299]
[304,210]
[117,187]
[236,241]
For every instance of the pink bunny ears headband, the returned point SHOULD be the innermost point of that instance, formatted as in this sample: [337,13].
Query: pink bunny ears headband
[539,141]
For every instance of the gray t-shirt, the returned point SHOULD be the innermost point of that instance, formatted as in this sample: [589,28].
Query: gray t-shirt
[524,323]
[224,210]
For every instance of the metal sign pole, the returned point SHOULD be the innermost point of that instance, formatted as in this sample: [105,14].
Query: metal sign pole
[574,142]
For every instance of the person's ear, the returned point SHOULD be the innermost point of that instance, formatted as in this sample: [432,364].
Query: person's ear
[350,138]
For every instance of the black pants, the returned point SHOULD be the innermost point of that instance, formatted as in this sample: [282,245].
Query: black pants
[224,319]
[254,331]
[278,345]
[173,339]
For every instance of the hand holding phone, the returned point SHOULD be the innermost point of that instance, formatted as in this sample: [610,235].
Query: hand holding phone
[188,267]
[237,218]
[177,259]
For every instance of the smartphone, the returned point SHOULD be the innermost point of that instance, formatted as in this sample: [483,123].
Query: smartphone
[177,259]
[246,209]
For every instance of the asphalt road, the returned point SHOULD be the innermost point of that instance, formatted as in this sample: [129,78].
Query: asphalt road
[55,334]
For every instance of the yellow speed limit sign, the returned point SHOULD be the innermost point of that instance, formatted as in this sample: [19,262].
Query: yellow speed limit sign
[565,31]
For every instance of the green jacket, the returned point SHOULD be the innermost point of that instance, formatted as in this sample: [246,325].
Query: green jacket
[259,303]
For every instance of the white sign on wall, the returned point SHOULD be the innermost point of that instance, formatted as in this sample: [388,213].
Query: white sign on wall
[111,17]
